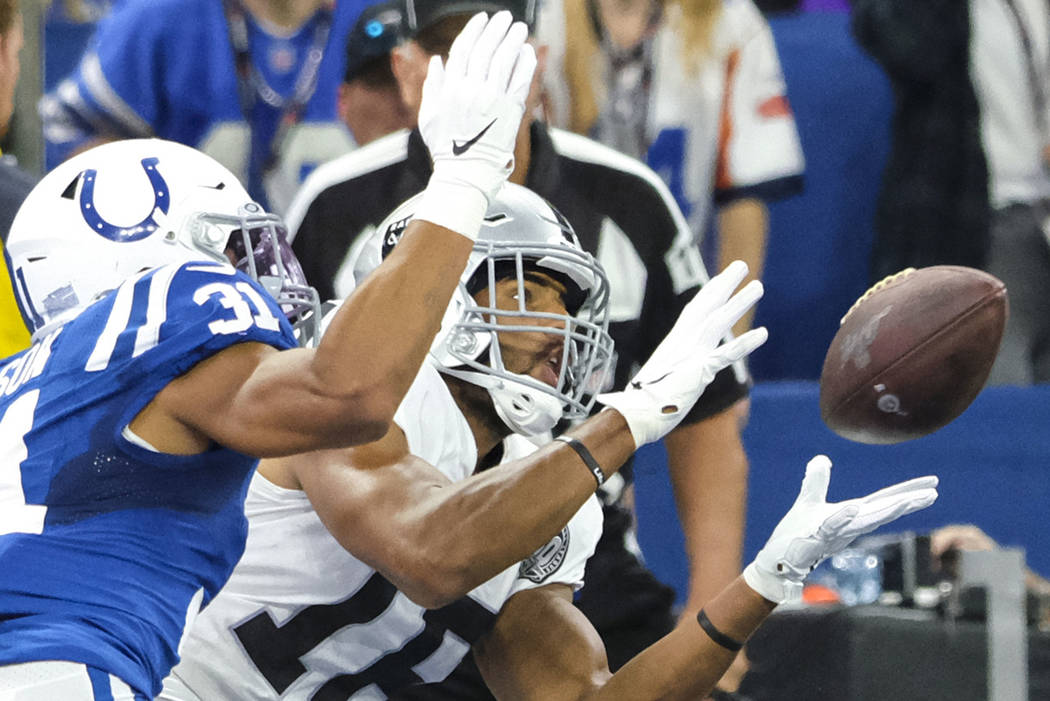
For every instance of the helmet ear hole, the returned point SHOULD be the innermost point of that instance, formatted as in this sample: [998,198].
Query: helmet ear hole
[71,189]
[463,342]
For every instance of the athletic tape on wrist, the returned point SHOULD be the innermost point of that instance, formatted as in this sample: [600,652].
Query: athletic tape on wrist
[718,636]
[453,205]
[586,456]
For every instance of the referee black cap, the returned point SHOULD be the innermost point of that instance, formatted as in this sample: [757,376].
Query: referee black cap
[379,29]
[420,14]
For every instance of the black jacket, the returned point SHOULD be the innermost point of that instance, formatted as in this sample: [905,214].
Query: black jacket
[934,205]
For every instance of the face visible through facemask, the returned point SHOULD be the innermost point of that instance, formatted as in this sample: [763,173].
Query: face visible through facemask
[533,353]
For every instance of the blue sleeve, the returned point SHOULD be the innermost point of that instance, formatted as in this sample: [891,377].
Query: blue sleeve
[209,308]
[158,326]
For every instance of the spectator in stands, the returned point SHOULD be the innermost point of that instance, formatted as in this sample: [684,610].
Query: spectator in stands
[694,89]
[249,82]
[15,183]
[83,11]
[968,181]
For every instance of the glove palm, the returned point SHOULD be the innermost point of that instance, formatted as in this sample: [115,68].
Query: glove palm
[689,357]
[814,529]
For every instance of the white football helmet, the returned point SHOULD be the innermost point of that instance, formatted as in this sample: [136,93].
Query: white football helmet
[128,206]
[522,233]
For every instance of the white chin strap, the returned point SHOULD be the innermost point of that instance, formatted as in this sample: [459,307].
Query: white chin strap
[525,410]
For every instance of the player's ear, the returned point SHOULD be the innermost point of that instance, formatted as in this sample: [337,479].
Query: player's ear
[409,64]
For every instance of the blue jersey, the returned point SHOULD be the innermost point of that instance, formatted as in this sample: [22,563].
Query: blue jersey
[165,68]
[108,548]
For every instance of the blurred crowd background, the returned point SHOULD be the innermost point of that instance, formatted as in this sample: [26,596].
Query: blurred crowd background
[910,133]
[819,245]
[818,253]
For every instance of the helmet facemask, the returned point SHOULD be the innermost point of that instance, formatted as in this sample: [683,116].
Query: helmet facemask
[272,262]
[580,346]
[522,235]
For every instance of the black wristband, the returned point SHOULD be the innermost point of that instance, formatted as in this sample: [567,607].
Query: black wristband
[586,456]
[717,635]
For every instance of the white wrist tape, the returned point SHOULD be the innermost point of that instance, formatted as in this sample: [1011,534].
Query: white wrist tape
[456,206]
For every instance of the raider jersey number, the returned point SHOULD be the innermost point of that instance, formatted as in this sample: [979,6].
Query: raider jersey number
[275,650]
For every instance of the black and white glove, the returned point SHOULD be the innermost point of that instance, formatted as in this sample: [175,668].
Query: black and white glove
[469,118]
[689,357]
[813,529]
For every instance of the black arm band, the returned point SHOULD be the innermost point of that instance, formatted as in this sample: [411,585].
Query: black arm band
[717,635]
[586,456]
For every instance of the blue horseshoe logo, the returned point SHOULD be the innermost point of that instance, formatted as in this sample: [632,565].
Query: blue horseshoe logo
[125,234]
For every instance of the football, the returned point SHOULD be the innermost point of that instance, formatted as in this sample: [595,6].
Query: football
[912,353]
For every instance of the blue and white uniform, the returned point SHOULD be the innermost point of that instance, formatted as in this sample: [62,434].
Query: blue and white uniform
[108,548]
[165,68]
[301,618]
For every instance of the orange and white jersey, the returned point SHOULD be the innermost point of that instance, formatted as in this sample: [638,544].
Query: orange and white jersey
[302,618]
[715,132]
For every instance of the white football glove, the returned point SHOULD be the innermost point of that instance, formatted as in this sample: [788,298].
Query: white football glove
[469,118]
[813,529]
[689,357]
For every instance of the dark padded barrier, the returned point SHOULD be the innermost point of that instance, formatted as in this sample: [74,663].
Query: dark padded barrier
[872,653]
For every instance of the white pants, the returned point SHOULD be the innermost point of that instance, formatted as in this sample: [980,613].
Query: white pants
[60,681]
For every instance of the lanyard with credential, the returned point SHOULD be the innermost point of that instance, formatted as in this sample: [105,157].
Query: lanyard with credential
[251,85]
[1036,82]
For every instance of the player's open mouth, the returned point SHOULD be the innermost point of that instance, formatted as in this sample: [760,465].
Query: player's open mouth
[550,370]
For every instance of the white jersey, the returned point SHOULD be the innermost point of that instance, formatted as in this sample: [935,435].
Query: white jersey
[722,133]
[301,618]
[1012,132]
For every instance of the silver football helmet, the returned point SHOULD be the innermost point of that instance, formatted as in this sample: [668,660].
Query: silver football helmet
[521,234]
[128,206]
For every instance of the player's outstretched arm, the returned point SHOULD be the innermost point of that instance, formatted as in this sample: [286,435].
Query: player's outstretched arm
[541,648]
[346,390]
[469,117]
[402,517]
[436,540]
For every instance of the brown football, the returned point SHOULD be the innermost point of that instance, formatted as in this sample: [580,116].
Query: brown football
[912,353]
